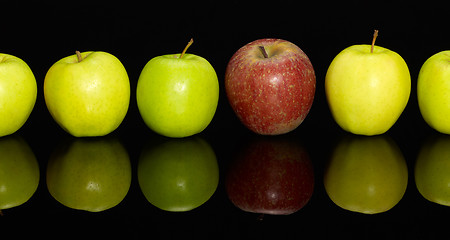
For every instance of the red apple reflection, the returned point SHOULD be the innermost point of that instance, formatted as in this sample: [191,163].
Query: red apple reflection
[271,176]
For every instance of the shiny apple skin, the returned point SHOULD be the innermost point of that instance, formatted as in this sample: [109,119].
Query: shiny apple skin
[273,95]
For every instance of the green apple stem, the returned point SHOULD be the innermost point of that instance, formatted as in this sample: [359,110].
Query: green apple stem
[375,35]
[80,58]
[187,46]
[263,51]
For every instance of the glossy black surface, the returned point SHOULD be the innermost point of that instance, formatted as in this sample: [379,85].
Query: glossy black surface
[41,34]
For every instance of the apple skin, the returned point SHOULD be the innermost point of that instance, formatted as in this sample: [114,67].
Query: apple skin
[19,172]
[270,176]
[177,97]
[178,175]
[90,174]
[432,170]
[366,174]
[433,86]
[367,92]
[271,95]
[18,95]
[88,98]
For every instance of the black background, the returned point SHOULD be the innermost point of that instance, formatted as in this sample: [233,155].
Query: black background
[41,34]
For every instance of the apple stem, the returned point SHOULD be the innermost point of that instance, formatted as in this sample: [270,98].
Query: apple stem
[263,51]
[375,35]
[80,58]
[187,46]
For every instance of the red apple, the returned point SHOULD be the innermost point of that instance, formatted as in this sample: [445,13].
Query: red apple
[271,176]
[270,84]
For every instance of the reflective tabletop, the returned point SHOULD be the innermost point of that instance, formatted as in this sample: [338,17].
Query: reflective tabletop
[313,174]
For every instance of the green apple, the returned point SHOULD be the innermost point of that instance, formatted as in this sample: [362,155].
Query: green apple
[178,175]
[177,95]
[19,172]
[88,93]
[432,170]
[433,87]
[92,174]
[367,88]
[366,174]
[18,91]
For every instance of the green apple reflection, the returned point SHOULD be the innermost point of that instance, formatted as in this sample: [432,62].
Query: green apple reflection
[92,174]
[179,174]
[432,170]
[19,172]
[366,174]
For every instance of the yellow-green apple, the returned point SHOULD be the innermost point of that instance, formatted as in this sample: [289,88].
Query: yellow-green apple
[270,176]
[432,170]
[433,87]
[18,91]
[19,172]
[177,94]
[366,174]
[87,93]
[91,174]
[270,85]
[179,174]
[367,88]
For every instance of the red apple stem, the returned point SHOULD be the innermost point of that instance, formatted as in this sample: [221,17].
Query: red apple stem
[375,35]
[263,51]
[80,58]
[187,46]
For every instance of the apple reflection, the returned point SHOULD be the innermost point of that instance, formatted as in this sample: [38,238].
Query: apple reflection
[19,172]
[178,175]
[366,174]
[271,175]
[91,174]
[432,170]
